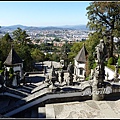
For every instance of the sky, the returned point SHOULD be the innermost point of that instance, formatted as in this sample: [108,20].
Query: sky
[43,13]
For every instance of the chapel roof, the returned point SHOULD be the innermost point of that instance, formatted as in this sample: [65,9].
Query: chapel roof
[81,56]
[12,58]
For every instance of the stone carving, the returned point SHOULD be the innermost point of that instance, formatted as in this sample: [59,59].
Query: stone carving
[116,79]
[99,72]
[70,68]
[46,79]
[70,76]
[53,76]
[57,76]
[101,51]
[61,76]
[6,77]
[69,80]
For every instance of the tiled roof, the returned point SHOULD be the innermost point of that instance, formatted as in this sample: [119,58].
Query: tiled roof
[12,58]
[81,56]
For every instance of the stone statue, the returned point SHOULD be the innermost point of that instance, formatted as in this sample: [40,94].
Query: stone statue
[70,68]
[99,72]
[69,80]
[52,76]
[53,71]
[47,80]
[61,76]
[101,54]
[70,71]
[6,76]
[101,51]
[116,75]
[57,75]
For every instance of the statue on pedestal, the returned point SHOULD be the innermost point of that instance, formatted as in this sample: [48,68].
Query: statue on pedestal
[99,72]
[70,68]
[61,76]
[70,71]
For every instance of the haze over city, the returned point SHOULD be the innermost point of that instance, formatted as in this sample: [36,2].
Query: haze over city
[43,13]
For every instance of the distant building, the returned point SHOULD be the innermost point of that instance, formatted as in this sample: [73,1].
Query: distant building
[60,44]
[80,63]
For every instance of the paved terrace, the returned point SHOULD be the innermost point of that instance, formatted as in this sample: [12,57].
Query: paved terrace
[86,109]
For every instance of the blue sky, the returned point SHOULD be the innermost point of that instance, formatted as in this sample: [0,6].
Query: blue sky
[45,13]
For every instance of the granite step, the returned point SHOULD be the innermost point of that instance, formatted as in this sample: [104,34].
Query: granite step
[41,112]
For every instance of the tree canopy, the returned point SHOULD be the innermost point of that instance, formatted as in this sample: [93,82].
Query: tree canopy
[37,55]
[21,36]
[104,18]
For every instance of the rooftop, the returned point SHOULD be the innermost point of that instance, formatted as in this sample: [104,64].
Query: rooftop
[81,56]
[12,58]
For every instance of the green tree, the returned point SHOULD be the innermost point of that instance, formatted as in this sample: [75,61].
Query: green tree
[56,39]
[5,46]
[7,38]
[43,46]
[76,47]
[37,55]
[90,45]
[24,51]
[21,36]
[55,57]
[104,18]
[48,57]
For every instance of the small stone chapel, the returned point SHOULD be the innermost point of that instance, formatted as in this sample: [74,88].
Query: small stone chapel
[80,63]
[16,63]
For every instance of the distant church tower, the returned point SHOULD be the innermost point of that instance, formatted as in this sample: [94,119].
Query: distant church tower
[80,63]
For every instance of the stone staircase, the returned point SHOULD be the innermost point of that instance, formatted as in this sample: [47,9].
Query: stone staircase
[14,93]
[35,99]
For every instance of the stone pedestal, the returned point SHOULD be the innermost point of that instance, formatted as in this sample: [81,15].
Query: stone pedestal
[98,94]
[98,83]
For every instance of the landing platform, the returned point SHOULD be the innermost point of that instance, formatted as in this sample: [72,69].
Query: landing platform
[86,109]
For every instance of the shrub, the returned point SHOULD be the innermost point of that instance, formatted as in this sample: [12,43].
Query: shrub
[119,61]
[94,65]
[87,78]
[111,61]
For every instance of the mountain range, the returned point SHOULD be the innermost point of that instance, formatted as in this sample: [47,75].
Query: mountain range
[72,27]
